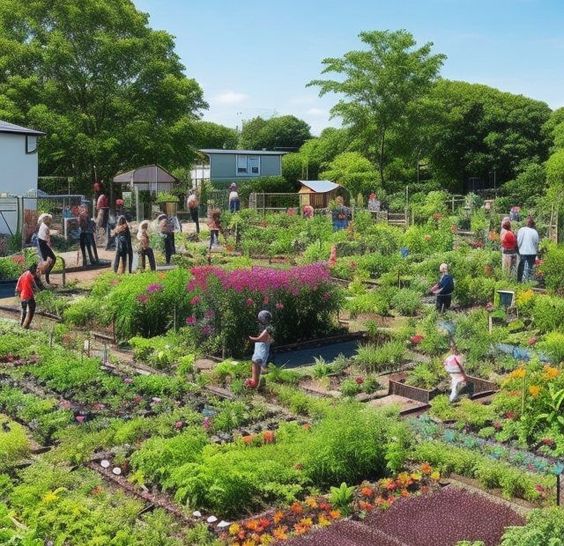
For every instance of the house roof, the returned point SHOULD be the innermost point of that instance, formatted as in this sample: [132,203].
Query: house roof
[148,174]
[6,127]
[246,152]
[319,186]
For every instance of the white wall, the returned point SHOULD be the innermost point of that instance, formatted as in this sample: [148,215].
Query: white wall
[18,172]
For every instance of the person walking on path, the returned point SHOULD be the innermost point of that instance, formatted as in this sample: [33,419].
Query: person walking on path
[124,249]
[458,378]
[167,232]
[193,204]
[27,285]
[85,238]
[145,250]
[44,242]
[340,215]
[443,289]
[262,348]
[234,201]
[528,244]
[508,243]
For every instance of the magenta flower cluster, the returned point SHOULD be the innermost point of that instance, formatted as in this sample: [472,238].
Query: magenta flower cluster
[262,279]
[154,287]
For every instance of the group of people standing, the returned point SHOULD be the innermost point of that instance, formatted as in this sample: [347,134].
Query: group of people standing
[519,251]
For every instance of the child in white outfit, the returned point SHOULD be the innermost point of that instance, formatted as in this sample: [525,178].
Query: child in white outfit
[262,348]
[458,378]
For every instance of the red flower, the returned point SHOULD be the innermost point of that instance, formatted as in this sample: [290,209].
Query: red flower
[416,339]
[359,380]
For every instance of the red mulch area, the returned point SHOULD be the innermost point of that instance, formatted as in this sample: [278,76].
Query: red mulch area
[439,519]
[444,518]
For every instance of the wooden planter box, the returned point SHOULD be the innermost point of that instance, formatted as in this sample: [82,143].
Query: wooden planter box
[397,386]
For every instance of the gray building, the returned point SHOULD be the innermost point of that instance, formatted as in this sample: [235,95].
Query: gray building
[227,166]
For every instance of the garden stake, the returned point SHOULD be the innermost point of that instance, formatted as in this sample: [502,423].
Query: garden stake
[558,485]
[51,337]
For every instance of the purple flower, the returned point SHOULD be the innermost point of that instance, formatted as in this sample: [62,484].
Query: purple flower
[143,298]
[209,314]
[250,302]
[195,300]
[155,287]
[279,306]
[191,320]
[207,330]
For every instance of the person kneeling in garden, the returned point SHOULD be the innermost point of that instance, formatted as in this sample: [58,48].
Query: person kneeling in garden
[443,289]
[458,378]
[27,284]
[262,348]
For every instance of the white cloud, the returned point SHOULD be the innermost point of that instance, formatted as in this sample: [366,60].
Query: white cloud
[229,98]
[316,112]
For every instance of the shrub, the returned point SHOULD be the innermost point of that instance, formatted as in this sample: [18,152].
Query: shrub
[378,358]
[14,444]
[548,312]
[406,301]
[553,345]
[552,267]
[543,527]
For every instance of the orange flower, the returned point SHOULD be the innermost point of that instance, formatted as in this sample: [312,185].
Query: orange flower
[263,523]
[280,533]
[300,529]
[296,508]
[367,491]
[550,372]
[335,514]
[252,524]
[325,506]
[306,426]
[277,517]
[534,390]
[404,493]
[306,522]
[426,468]
[365,506]
[404,479]
[248,439]
[519,373]
[249,542]
[311,502]
[322,521]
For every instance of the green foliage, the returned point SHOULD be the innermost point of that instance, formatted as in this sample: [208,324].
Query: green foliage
[548,312]
[406,301]
[553,345]
[543,527]
[552,267]
[379,358]
[353,171]
[341,497]
[14,444]
[103,85]
[278,132]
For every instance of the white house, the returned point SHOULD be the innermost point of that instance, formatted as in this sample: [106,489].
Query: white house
[18,169]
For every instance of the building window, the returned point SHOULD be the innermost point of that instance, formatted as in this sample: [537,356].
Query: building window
[30,144]
[248,165]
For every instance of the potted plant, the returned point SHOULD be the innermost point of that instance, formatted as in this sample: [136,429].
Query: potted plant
[168,202]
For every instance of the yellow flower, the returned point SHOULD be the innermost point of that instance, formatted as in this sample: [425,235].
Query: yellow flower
[416,476]
[519,373]
[266,538]
[323,521]
[50,496]
[311,502]
[234,528]
[524,297]
[550,372]
[534,390]
[435,475]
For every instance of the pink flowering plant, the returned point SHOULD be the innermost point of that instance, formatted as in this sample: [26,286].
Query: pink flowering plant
[225,304]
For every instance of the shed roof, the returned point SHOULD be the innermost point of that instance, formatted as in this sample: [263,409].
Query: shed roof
[7,127]
[319,186]
[148,174]
[244,152]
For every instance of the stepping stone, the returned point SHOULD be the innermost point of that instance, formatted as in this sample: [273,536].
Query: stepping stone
[205,364]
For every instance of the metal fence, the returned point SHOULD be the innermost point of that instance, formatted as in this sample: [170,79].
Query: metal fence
[274,202]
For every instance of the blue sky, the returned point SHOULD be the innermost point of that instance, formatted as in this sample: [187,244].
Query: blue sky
[255,57]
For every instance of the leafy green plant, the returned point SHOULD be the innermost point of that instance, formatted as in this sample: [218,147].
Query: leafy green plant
[406,301]
[379,358]
[543,527]
[14,444]
[341,497]
[349,387]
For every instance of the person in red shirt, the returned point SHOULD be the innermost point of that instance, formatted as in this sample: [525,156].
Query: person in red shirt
[103,209]
[508,243]
[27,284]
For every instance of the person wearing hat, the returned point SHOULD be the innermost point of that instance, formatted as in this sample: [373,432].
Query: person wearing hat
[443,289]
[234,202]
[145,250]
[44,242]
[124,249]
[262,348]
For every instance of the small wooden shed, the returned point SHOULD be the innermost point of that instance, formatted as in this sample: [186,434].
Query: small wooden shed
[318,193]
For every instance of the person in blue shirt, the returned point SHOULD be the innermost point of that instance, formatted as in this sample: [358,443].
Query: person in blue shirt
[444,289]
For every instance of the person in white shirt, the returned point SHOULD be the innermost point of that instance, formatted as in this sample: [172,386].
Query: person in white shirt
[234,202]
[528,245]
[193,204]
[44,242]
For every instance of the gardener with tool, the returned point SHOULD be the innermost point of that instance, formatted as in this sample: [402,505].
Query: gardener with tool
[262,348]
[443,289]
[458,377]
[27,285]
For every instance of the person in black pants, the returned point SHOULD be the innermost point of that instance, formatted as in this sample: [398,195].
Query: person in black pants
[444,289]
[85,240]
[168,234]
[193,205]
[124,249]
[44,242]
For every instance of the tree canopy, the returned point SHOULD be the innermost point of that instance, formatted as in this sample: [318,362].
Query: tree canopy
[377,87]
[277,133]
[109,91]
[354,172]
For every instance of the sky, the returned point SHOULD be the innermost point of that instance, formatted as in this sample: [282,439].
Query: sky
[255,57]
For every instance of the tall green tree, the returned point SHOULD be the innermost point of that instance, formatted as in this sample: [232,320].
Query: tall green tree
[485,129]
[277,133]
[109,91]
[213,135]
[354,172]
[377,87]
